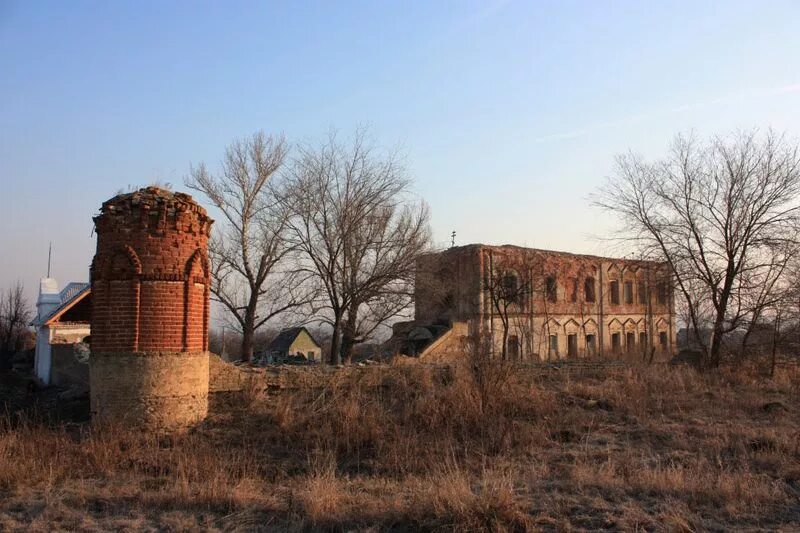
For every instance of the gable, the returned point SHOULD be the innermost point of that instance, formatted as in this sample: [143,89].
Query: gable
[571,326]
[79,311]
[630,324]
[76,306]
[303,342]
[552,323]
[614,272]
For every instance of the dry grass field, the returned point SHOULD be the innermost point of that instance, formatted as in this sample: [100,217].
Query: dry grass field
[498,448]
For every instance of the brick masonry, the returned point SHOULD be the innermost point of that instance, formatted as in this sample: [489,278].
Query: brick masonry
[150,292]
[570,305]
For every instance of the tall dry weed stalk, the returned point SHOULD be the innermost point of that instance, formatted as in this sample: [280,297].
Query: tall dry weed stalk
[490,375]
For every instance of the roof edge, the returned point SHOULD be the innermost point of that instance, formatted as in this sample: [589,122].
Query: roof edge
[481,246]
[63,308]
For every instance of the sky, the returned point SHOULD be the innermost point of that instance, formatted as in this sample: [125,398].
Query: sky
[509,113]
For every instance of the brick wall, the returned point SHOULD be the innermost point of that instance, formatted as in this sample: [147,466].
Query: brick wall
[150,273]
[568,305]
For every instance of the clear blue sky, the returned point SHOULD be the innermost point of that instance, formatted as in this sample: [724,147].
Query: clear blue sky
[510,113]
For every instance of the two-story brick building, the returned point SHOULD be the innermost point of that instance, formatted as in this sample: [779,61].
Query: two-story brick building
[540,304]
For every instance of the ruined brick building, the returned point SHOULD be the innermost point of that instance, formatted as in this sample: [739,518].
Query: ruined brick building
[150,310]
[539,305]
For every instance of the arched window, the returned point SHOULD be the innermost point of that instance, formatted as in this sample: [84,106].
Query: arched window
[573,294]
[551,289]
[641,290]
[510,287]
[588,289]
[662,292]
[613,291]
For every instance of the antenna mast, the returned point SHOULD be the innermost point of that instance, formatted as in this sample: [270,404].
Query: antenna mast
[453,239]
[49,256]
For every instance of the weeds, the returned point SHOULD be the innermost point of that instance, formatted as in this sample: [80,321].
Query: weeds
[418,447]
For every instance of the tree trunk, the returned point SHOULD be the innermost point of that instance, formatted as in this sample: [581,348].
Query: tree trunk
[247,344]
[745,339]
[505,342]
[747,333]
[248,333]
[346,352]
[337,326]
[349,335]
[716,347]
[774,346]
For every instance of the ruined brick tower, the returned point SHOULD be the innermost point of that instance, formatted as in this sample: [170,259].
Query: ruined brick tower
[150,283]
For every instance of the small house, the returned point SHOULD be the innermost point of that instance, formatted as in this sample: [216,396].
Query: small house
[293,345]
[62,327]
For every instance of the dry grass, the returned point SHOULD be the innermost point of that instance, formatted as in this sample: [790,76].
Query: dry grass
[481,448]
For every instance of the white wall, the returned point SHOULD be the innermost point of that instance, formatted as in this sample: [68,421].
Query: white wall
[43,359]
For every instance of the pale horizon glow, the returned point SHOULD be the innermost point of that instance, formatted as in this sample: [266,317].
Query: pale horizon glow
[510,113]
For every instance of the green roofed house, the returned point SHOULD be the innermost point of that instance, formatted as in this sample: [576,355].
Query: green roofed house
[292,345]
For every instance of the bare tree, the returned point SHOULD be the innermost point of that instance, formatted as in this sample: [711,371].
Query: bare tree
[249,248]
[360,235]
[717,214]
[509,287]
[14,318]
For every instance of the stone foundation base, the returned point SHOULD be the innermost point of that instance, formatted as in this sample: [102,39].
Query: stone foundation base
[153,390]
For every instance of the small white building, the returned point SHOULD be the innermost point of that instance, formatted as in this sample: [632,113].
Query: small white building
[63,318]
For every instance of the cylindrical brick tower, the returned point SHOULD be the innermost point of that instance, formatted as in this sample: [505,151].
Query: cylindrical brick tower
[150,283]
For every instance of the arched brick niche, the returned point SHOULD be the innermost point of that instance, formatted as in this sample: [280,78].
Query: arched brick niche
[150,279]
